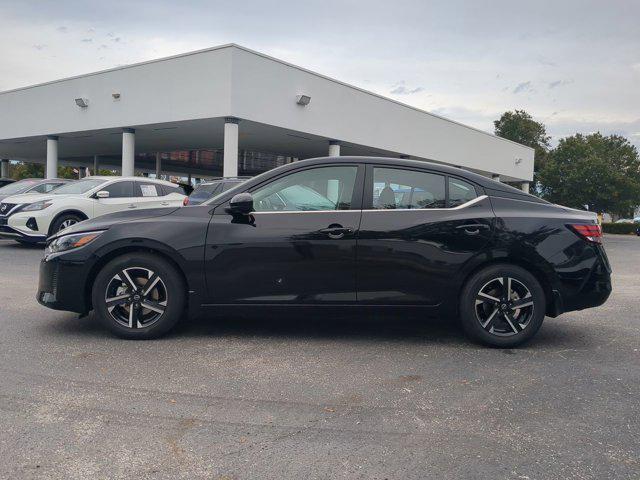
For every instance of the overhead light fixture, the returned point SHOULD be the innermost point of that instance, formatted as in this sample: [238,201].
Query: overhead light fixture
[116,95]
[303,100]
[82,102]
[518,161]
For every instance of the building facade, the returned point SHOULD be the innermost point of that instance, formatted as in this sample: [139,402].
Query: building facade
[231,111]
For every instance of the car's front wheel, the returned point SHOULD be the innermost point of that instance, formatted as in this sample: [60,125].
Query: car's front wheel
[502,306]
[139,296]
[64,221]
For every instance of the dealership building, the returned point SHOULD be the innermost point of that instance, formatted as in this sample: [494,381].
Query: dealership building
[229,111]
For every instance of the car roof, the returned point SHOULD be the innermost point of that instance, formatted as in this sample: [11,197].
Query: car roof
[223,179]
[139,179]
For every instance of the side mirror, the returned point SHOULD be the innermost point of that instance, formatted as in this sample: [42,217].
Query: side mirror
[102,194]
[241,204]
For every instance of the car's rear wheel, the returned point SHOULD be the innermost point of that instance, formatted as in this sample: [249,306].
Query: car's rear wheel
[139,296]
[65,221]
[502,306]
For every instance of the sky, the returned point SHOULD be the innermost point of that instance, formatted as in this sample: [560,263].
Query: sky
[572,64]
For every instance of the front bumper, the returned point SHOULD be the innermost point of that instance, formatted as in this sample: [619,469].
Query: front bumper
[61,285]
[23,227]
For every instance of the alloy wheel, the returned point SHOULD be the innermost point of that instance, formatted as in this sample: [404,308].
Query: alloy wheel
[504,306]
[136,297]
[67,223]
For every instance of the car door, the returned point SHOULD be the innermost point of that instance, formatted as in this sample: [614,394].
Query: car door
[418,229]
[298,246]
[149,195]
[121,197]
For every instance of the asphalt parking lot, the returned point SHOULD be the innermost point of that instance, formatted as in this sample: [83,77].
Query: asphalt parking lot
[262,397]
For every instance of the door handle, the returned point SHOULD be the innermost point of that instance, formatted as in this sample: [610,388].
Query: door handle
[336,231]
[164,203]
[473,228]
[132,206]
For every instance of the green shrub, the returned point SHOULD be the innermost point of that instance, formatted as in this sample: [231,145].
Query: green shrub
[623,228]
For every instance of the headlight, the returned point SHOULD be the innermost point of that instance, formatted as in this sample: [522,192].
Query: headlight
[34,207]
[71,241]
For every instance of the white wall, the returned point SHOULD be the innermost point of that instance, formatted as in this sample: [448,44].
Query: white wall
[184,87]
[232,81]
[264,90]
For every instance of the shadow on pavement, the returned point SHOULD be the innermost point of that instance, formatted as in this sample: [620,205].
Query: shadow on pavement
[407,329]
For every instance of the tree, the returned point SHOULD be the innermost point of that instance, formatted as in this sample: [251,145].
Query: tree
[600,172]
[26,170]
[520,127]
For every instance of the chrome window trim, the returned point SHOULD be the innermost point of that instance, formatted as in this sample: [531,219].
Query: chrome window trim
[459,207]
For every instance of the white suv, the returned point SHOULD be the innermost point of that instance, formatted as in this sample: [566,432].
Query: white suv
[32,218]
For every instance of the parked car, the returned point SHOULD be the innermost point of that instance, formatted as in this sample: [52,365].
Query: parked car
[353,233]
[32,218]
[5,181]
[31,185]
[211,188]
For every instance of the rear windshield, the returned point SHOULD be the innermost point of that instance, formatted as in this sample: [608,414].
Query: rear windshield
[17,187]
[81,186]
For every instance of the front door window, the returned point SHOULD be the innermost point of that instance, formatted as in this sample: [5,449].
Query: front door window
[314,189]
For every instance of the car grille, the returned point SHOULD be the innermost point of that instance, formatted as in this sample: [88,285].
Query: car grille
[5,208]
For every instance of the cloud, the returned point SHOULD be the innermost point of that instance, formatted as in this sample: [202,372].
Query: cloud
[558,83]
[523,87]
[87,40]
[62,29]
[39,46]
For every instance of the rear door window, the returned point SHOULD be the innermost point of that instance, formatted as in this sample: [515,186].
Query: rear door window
[395,188]
[460,192]
[147,189]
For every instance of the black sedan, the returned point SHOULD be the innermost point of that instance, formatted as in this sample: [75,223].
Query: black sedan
[350,233]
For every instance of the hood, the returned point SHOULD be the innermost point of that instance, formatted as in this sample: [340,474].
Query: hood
[33,197]
[104,222]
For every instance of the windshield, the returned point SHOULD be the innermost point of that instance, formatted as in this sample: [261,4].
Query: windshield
[18,187]
[81,186]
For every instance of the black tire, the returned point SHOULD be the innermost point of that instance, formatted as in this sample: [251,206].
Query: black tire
[501,323]
[63,221]
[119,319]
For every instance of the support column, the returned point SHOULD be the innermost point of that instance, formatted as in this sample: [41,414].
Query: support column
[334,148]
[128,152]
[525,187]
[4,170]
[230,159]
[495,177]
[158,164]
[96,164]
[52,156]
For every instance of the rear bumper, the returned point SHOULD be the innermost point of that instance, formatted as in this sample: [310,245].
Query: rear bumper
[592,290]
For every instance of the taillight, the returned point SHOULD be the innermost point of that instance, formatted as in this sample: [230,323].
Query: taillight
[591,233]
[185,202]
